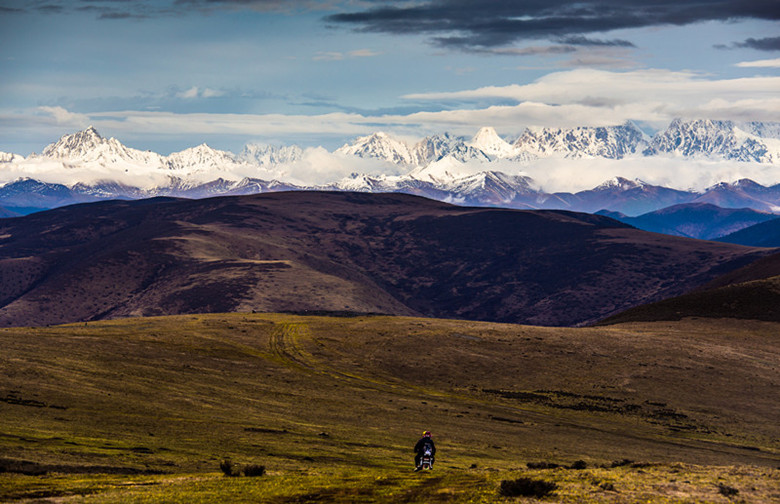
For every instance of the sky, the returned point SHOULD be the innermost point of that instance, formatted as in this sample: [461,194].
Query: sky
[165,75]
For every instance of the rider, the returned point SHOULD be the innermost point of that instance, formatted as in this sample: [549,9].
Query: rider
[419,449]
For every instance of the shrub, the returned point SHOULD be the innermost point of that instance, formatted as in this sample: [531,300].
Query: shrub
[254,470]
[227,467]
[727,490]
[526,487]
[542,465]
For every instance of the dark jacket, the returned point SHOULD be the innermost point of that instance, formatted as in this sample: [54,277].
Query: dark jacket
[419,448]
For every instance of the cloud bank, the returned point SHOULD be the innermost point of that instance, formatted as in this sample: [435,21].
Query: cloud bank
[468,24]
[581,97]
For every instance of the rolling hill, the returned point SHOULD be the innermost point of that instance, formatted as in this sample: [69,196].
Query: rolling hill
[146,409]
[749,293]
[695,220]
[371,253]
[765,234]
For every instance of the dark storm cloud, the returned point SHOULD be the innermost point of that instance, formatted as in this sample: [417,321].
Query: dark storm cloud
[102,9]
[490,23]
[764,44]
[581,40]
[257,5]
[139,9]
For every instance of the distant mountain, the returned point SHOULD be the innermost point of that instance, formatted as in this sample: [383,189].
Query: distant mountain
[485,170]
[202,159]
[722,139]
[5,213]
[387,253]
[765,234]
[618,194]
[488,141]
[380,146]
[36,195]
[743,194]
[88,147]
[437,147]
[695,220]
[612,142]
[270,156]
[7,157]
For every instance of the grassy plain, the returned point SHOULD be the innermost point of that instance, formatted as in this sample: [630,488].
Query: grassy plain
[144,410]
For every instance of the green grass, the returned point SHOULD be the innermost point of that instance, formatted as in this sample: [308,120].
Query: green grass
[144,410]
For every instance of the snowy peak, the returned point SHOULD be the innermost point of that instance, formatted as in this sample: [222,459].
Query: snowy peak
[201,157]
[720,139]
[437,147]
[76,145]
[380,146]
[612,142]
[620,184]
[269,156]
[88,147]
[488,141]
[8,157]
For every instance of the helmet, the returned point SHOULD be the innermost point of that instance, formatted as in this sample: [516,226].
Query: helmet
[426,433]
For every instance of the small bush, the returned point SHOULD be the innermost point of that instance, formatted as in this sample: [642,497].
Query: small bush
[227,467]
[526,487]
[254,470]
[542,465]
[727,490]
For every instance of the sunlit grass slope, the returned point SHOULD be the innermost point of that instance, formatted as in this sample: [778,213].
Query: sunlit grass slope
[144,410]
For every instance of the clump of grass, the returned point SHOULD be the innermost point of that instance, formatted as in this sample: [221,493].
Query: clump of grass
[227,468]
[607,486]
[254,470]
[526,487]
[542,465]
[726,490]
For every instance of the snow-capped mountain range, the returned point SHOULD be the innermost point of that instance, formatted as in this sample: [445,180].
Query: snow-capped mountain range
[483,170]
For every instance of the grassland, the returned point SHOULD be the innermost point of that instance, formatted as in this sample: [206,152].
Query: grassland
[144,410]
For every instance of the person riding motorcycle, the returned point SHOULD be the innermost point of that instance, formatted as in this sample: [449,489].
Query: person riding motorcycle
[419,449]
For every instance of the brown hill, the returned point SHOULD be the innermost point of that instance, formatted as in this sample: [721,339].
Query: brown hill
[299,251]
[752,292]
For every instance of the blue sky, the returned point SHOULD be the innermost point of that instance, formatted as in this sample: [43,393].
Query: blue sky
[166,75]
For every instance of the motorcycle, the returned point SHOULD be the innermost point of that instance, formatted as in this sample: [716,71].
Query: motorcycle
[426,461]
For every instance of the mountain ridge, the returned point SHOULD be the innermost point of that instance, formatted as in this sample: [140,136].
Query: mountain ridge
[441,167]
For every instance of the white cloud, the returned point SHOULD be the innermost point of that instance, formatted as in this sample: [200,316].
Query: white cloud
[767,63]
[318,166]
[338,56]
[211,93]
[196,92]
[363,53]
[188,94]
[328,56]
[63,117]
[561,174]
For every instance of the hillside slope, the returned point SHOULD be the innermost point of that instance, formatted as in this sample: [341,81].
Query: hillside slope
[297,251]
[765,234]
[178,394]
[696,220]
[750,293]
